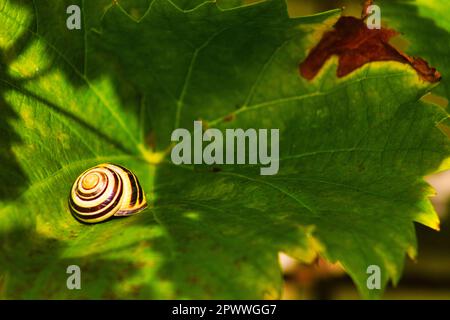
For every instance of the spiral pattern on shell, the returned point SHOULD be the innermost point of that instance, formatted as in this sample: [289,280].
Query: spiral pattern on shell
[104,191]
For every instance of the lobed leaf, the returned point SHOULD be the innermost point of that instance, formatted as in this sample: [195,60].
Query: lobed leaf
[353,151]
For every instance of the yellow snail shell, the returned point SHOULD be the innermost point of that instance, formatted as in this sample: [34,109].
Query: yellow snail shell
[104,191]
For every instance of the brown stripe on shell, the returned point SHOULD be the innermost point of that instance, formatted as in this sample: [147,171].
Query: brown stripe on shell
[117,189]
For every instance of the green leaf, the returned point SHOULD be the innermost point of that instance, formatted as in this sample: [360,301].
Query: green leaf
[353,151]
[430,40]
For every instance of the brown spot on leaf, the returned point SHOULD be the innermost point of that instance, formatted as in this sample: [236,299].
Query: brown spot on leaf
[150,140]
[356,45]
[193,280]
[229,117]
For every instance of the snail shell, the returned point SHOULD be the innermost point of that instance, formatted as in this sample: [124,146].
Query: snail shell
[104,191]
